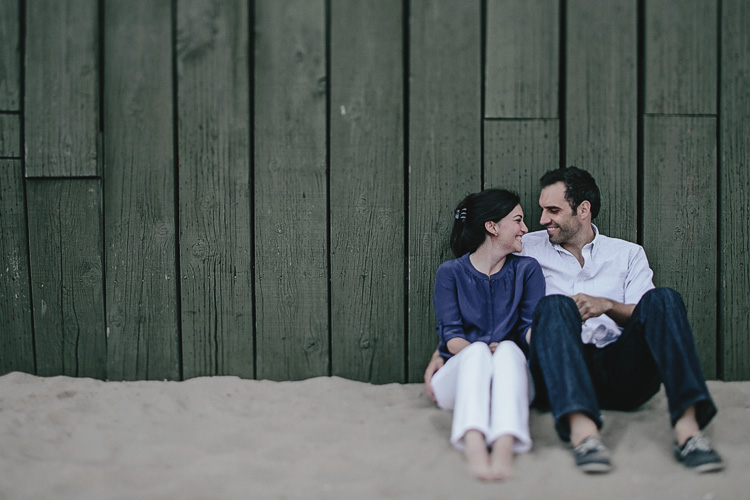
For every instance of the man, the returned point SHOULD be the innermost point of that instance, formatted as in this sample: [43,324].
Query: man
[604,336]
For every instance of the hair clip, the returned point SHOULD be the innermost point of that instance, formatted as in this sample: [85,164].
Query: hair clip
[460,214]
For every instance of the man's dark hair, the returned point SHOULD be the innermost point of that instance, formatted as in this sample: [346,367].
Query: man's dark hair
[579,187]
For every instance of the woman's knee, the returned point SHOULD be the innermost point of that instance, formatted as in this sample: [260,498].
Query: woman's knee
[509,351]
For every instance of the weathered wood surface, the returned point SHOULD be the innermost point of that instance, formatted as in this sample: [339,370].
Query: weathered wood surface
[214,188]
[681,56]
[445,115]
[10,135]
[139,204]
[516,154]
[734,202]
[61,111]
[10,55]
[291,190]
[522,59]
[601,106]
[65,245]
[679,226]
[16,334]
[367,191]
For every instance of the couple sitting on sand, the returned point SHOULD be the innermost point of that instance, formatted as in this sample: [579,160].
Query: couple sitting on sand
[597,334]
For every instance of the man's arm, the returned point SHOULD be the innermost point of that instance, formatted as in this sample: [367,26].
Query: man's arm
[436,362]
[592,307]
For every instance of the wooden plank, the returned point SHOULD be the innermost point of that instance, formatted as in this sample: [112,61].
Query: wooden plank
[679,221]
[139,192]
[10,55]
[10,136]
[681,56]
[445,112]
[516,155]
[601,106]
[734,130]
[61,113]
[65,243]
[16,337]
[522,61]
[290,190]
[215,220]
[367,191]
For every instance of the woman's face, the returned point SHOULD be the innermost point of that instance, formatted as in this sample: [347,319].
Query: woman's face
[510,229]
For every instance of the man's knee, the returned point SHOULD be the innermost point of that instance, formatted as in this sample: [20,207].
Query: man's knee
[662,298]
[551,313]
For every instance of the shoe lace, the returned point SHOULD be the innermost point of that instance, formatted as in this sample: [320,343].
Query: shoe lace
[697,442]
[589,444]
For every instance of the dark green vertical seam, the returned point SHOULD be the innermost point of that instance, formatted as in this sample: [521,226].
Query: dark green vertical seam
[176,187]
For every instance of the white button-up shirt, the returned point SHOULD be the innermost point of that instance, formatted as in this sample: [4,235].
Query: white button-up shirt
[613,268]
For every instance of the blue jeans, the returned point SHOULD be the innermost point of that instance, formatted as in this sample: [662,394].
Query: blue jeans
[655,347]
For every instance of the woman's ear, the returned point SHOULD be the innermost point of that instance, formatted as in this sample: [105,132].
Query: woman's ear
[491,228]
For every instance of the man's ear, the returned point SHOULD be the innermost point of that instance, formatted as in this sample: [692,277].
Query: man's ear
[584,209]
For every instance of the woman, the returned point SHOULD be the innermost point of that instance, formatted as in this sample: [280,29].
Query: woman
[484,300]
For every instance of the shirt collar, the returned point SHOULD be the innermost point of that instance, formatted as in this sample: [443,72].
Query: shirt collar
[592,245]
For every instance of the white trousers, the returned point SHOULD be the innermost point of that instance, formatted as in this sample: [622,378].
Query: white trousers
[487,392]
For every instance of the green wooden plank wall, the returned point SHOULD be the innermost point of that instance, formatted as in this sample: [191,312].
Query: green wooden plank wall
[264,189]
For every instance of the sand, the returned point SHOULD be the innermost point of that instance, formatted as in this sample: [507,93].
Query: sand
[227,438]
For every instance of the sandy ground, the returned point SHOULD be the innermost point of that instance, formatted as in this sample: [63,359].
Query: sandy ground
[227,438]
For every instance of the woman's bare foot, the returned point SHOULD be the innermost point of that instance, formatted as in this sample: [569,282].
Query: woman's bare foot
[501,459]
[477,455]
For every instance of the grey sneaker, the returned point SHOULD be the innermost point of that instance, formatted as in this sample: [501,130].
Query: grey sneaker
[592,456]
[697,454]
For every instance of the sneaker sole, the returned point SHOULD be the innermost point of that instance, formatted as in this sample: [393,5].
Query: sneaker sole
[595,468]
[712,467]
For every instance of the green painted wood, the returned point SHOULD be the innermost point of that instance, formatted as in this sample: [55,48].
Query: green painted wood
[522,59]
[679,219]
[10,136]
[214,182]
[16,338]
[10,55]
[65,243]
[290,190]
[516,155]
[367,191]
[139,203]
[445,112]
[734,130]
[601,106]
[681,56]
[61,112]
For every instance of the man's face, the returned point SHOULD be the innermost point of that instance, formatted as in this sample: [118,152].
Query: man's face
[557,216]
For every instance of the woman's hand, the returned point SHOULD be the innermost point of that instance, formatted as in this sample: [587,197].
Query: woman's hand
[436,362]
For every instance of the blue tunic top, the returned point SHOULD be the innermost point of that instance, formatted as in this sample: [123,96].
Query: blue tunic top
[478,308]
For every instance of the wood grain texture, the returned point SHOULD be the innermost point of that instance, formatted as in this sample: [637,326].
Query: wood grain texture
[734,130]
[601,106]
[65,243]
[139,192]
[61,113]
[10,55]
[214,181]
[679,220]
[522,59]
[681,56]
[445,113]
[16,334]
[367,191]
[291,190]
[516,155]
[10,136]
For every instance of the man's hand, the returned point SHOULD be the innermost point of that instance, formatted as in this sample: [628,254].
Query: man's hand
[592,307]
[436,362]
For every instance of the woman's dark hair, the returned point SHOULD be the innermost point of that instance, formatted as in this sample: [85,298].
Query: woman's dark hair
[579,187]
[470,215]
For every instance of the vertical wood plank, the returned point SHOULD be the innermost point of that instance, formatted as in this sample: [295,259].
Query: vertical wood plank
[139,192]
[516,155]
[679,227]
[445,112]
[522,61]
[601,106]
[65,243]
[734,130]
[214,181]
[61,112]
[367,191]
[10,136]
[291,190]
[10,55]
[681,60]
[16,338]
